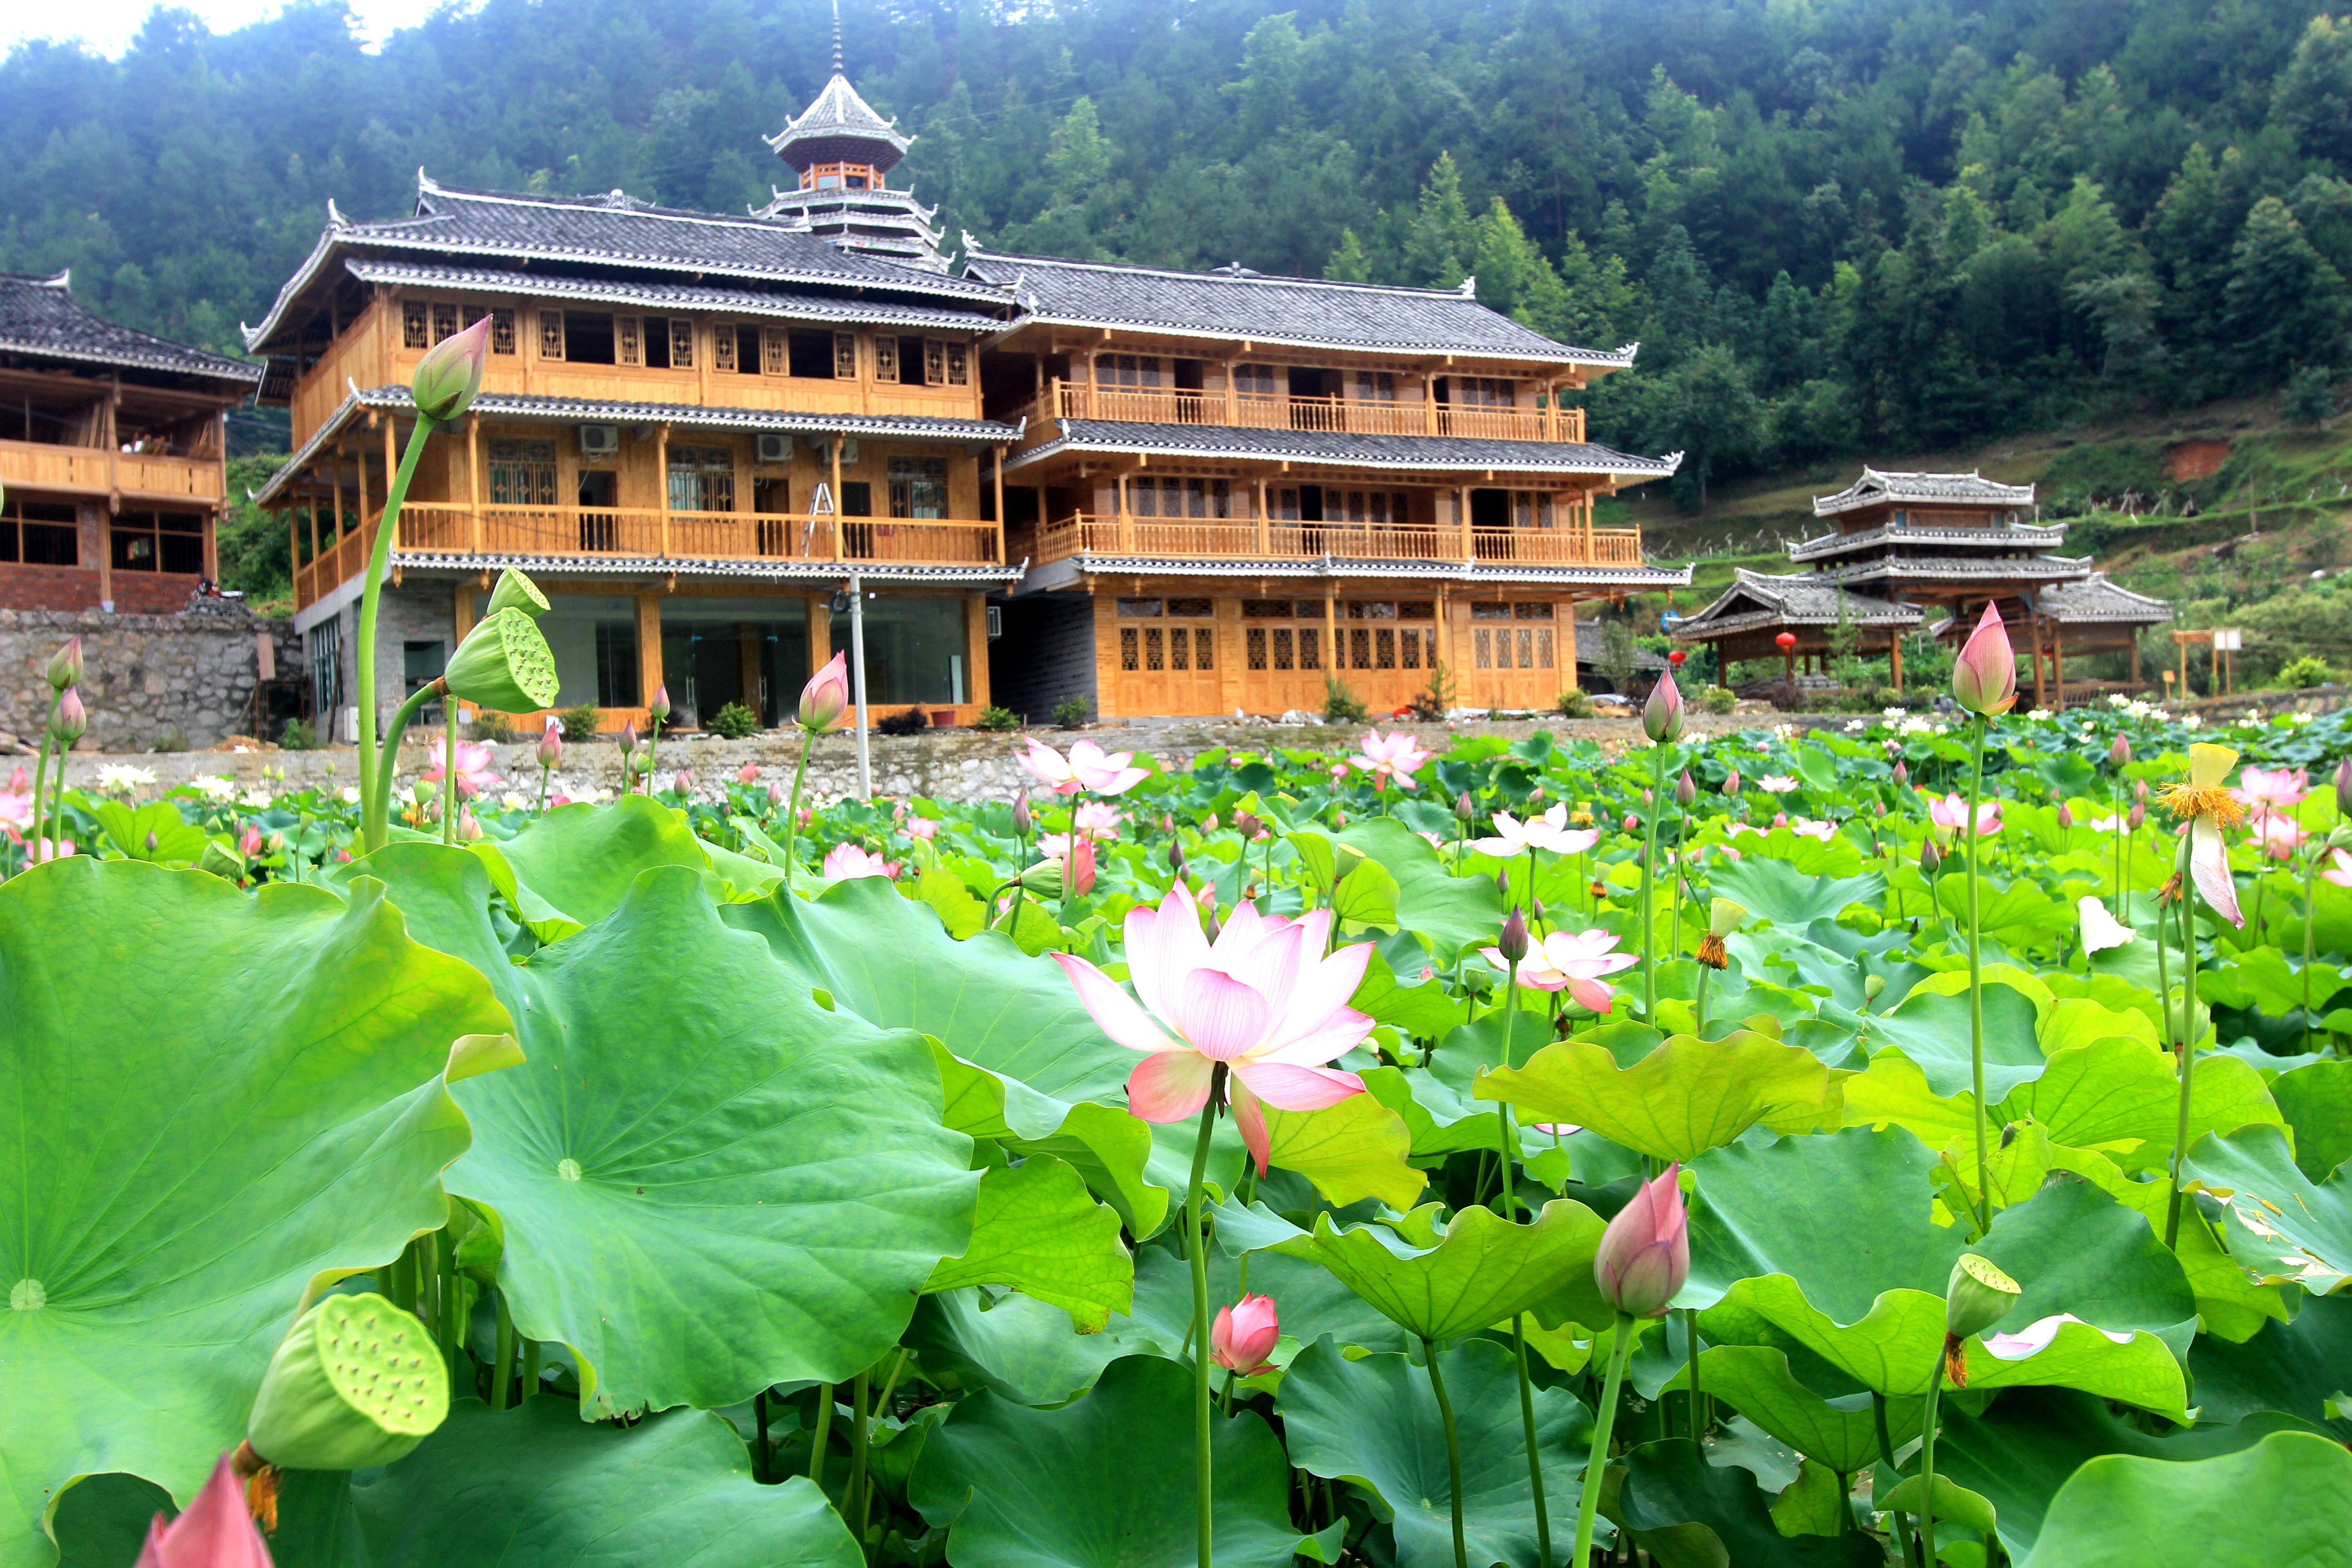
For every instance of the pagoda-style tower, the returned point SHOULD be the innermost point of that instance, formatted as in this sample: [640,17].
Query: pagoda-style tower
[840,150]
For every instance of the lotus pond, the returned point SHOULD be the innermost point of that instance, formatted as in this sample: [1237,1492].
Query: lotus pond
[901,1215]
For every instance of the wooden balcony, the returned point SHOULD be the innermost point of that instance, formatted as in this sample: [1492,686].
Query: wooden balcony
[151,478]
[1204,539]
[628,535]
[1171,406]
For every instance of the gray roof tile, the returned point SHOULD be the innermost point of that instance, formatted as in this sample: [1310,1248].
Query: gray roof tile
[1796,599]
[1455,453]
[1877,486]
[2097,599]
[843,309]
[40,316]
[2010,539]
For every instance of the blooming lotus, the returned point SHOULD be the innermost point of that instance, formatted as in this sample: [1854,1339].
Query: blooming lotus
[919,828]
[1776,784]
[747,774]
[1245,1334]
[2279,836]
[2105,824]
[1645,1254]
[1806,828]
[1088,767]
[217,1529]
[2271,790]
[1392,756]
[1263,1000]
[847,860]
[2340,873]
[2205,808]
[1551,831]
[474,774]
[16,804]
[1096,819]
[1575,961]
[2100,930]
[1951,813]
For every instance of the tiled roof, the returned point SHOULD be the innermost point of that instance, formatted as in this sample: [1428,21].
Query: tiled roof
[617,231]
[1592,644]
[1343,566]
[844,309]
[839,126]
[1798,599]
[2021,537]
[2096,599]
[1959,568]
[40,316]
[580,410]
[1876,488]
[1457,453]
[1237,305]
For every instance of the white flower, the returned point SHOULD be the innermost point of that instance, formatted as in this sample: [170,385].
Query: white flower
[349,795]
[1785,732]
[1943,729]
[2037,714]
[213,787]
[511,801]
[2192,722]
[256,799]
[1856,726]
[121,778]
[2301,718]
[1895,712]
[2100,930]
[2118,700]
[1917,726]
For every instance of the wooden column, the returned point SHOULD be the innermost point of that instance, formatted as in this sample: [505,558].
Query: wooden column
[1462,516]
[1334,663]
[1446,631]
[975,656]
[2135,658]
[2058,664]
[2040,693]
[661,479]
[1000,505]
[649,648]
[1119,502]
[473,478]
[833,450]
[1265,522]
[1233,402]
[820,632]
[1894,657]
[391,467]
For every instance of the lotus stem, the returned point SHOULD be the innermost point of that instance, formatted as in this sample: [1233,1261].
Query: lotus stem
[41,777]
[543,771]
[792,812]
[1649,882]
[1196,1249]
[502,1374]
[2188,1047]
[824,1434]
[2310,926]
[1536,922]
[449,775]
[1705,970]
[1976,987]
[375,813]
[1927,1468]
[1527,1427]
[1886,1457]
[1453,1450]
[859,1389]
[760,1453]
[1588,1507]
[1690,1342]
[375,797]
[530,1352]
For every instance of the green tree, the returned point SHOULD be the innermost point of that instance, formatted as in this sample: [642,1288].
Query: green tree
[2313,96]
[1442,239]
[2283,302]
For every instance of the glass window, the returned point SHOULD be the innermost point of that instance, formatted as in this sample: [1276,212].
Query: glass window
[914,651]
[747,649]
[40,533]
[1131,607]
[1199,607]
[522,473]
[594,637]
[1489,610]
[1253,380]
[421,662]
[159,541]
[1532,611]
[918,487]
[701,478]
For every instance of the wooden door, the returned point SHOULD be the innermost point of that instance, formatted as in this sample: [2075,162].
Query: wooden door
[1168,660]
[1282,656]
[1515,650]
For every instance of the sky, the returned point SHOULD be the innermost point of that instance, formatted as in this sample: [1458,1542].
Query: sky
[108,26]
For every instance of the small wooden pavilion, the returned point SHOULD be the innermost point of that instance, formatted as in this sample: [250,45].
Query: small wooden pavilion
[1748,618]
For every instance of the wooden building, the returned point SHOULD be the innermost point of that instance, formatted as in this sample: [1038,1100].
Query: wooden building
[1232,487]
[112,455]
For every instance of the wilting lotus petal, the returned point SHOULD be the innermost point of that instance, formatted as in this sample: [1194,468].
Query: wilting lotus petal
[2035,1337]
[2101,930]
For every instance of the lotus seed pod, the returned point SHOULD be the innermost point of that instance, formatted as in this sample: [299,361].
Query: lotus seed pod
[503,665]
[358,1382]
[516,592]
[1978,1296]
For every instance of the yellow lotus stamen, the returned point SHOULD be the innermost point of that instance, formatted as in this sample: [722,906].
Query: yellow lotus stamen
[2188,801]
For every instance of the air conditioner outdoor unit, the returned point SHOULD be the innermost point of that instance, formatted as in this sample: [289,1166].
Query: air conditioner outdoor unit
[599,440]
[775,446]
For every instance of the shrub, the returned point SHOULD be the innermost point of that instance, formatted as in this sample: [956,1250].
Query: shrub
[2310,397]
[489,728]
[580,722]
[2305,669]
[298,736]
[1574,705]
[169,739]
[732,722]
[1429,703]
[913,721]
[1072,713]
[1341,706]
[1717,700]
[996,718]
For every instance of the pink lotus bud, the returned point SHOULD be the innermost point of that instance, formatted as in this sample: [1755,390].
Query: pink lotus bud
[1984,675]
[1929,856]
[1176,859]
[217,1531]
[65,666]
[775,796]
[1902,774]
[1021,819]
[449,376]
[1662,715]
[248,843]
[2066,817]
[275,844]
[826,698]
[1166,822]
[1462,810]
[628,739]
[808,818]
[1731,781]
[658,709]
[1338,819]
[2344,787]
[1513,943]
[1633,823]
[1248,827]
[1878,808]
[2140,789]
[2137,817]
[1503,884]
[1646,801]
[1685,791]
[551,743]
[151,841]
[1082,868]
[1536,794]
[747,774]
[1210,825]
[467,828]
[685,782]
[2119,754]
[1779,819]
[1245,1334]
[1645,1254]
[71,719]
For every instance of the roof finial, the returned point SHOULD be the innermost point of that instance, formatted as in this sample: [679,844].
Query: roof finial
[836,38]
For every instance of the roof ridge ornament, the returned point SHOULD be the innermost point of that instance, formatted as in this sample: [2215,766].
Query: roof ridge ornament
[64,279]
[335,218]
[836,38]
[1470,286]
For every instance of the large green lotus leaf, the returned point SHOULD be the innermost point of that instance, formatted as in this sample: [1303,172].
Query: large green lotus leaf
[2298,1367]
[1374,1424]
[1424,1010]
[1672,1502]
[2317,1102]
[1435,1103]
[1105,1482]
[1038,1230]
[2288,1499]
[214,1102]
[1448,912]
[1351,1151]
[890,961]
[2081,1020]
[1483,1271]
[1685,1098]
[709,1183]
[1932,1029]
[178,841]
[535,1487]
[573,865]
[1842,1433]
[2282,1225]
[2021,1450]
[1778,891]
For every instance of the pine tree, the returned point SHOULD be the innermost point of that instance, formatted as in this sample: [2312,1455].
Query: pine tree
[1348,264]
[2284,303]
[1443,239]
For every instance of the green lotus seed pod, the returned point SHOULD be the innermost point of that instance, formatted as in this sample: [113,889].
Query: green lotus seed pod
[517,592]
[358,1382]
[504,664]
[1978,1296]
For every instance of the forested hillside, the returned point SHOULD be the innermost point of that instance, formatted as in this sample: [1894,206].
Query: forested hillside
[1835,225]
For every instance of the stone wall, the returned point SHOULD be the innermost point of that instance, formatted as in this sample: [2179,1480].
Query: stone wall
[189,677]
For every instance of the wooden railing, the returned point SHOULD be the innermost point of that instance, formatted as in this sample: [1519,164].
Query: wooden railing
[38,465]
[1172,405]
[1103,533]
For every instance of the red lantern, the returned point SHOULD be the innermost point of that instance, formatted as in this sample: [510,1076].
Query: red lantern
[1677,657]
[1787,641]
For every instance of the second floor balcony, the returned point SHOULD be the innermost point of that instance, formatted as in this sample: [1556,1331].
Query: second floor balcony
[148,475]
[1234,407]
[1104,533]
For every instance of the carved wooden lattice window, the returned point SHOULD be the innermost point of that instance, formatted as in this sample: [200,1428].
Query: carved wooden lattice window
[551,334]
[1254,647]
[1481,642]
[1310,647]
[886,359]
[628,339]
[723,347]
[1282,658]
[522,473]
[681,344]
[935,362]
[844,356]
[414,325]
[1543,648]
[1179,649]
[1361,647]
[1527,648]
[1409,648]
[502,330]
[1384,655]
[701,478]
[444,319]
[1127,653]
[1203,648]
[1155,656]
[775,358]
[959,365]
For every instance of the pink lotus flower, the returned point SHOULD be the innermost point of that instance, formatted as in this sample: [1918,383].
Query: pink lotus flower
[1984,672]
[1245,1334]
[248,843]
[1951,813]
[826,698]
[919,828]
[450,374]
[1262,999]
[1779,819]
[217,1529]
[474,774]
[551,743]
[1390,757]
[2270,790]
[1086,768]
[1645,1254]
[16,804]
[1805,827]
[1574,962]
[1777,783]
[1096,819]
[53,850]
[1551,831]
[2035,1337]
[467,828]
[2341,872]
[1210,825]
[848,860]
[2279,836]
[747,774]
[1662,715]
